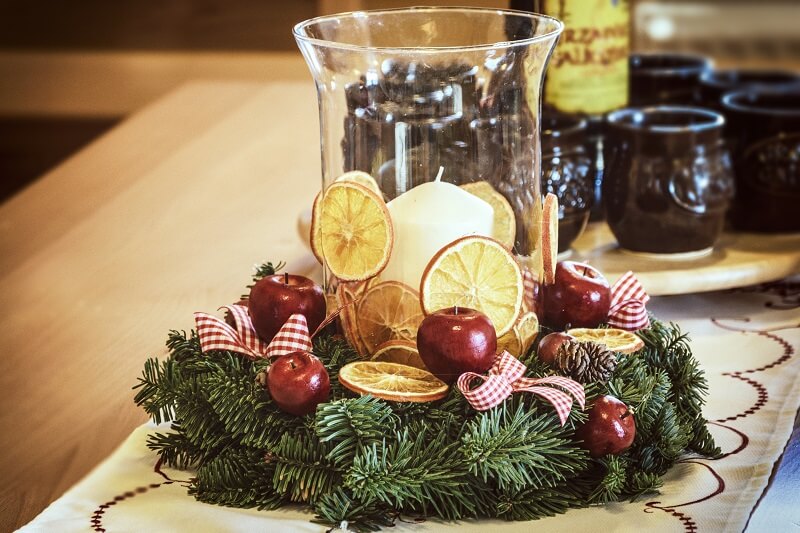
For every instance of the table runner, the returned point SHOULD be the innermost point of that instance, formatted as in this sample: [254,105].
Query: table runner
[745,339]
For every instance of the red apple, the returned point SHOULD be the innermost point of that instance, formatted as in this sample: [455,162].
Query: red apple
[273,299]
[580,296]
[549,345]
[610,428]
[298,382]
[456,340]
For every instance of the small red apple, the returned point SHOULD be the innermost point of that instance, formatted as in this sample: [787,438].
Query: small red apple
[549,345]
[273,299]
[610,428]
[456,340]
[580,296]
[298,382]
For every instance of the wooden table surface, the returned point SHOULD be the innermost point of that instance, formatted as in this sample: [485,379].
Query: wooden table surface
[159,218]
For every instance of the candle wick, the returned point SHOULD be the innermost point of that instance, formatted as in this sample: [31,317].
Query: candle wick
[440,174]
[286,278]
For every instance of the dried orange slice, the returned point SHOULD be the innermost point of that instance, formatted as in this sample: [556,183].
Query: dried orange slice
[331,303]
[504,228]
[520,338]
[510,343]
[355,231]
[616,340]
[391,381]
[400,352]
[347,296]
[388,311]
[549,238]
[354,290]
[355,176]
[526,329]
[475,272]
[362,178]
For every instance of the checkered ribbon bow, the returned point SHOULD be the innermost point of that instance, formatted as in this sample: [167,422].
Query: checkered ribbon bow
[628,299]
[216,334]
[506,377]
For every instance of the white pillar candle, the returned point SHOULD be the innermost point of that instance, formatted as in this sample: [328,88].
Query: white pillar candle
[425,219]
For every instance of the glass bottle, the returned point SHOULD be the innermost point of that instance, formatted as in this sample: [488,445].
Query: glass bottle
[588,75]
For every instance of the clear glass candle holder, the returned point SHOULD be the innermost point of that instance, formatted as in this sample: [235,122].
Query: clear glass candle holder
[412,96]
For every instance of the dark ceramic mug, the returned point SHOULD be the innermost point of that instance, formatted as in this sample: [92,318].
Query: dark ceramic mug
[669,79]
[764,127]
[568,171]
[715,83]
[667,182]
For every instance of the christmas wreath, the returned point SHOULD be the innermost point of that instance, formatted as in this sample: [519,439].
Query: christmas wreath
[368,461]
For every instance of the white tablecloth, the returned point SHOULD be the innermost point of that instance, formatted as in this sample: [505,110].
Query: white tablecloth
[747,342]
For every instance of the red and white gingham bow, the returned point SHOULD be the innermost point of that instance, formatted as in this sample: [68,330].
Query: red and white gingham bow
[628,299]
[215,334]
[529,286]
[506,377]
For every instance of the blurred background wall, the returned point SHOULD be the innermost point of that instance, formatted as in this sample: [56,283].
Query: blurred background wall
[71,70]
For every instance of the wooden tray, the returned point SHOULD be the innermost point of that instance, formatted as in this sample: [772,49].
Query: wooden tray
[738,259]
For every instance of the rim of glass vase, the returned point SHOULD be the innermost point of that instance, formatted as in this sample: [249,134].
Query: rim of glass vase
[298,30]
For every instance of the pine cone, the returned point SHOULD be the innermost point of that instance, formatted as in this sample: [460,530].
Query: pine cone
[585,362]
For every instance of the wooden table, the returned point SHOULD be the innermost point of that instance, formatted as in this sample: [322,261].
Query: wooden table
[102,256]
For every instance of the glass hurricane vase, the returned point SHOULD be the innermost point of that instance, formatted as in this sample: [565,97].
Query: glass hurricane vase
[412,96]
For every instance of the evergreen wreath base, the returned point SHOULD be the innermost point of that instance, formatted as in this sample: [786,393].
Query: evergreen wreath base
[368,461]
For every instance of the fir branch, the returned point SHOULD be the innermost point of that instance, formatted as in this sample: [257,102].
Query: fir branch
[533,504]
[267,269]
[666,347]
[262,271]
[247,411]
[257,495]
[408,411]
[517,448]
[352,423]
[200,364]
[340,507]
[536,368]
[157,388]
[658,449]
[335,352]
[641,388]
[237,477]
[702,442]
[448,415]
[197,418]
[175,449]
[303,473]
[641,483]
[421,473]
[613,484]
[182,347]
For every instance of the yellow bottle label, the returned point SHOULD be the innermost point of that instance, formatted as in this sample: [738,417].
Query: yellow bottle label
[588,72]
